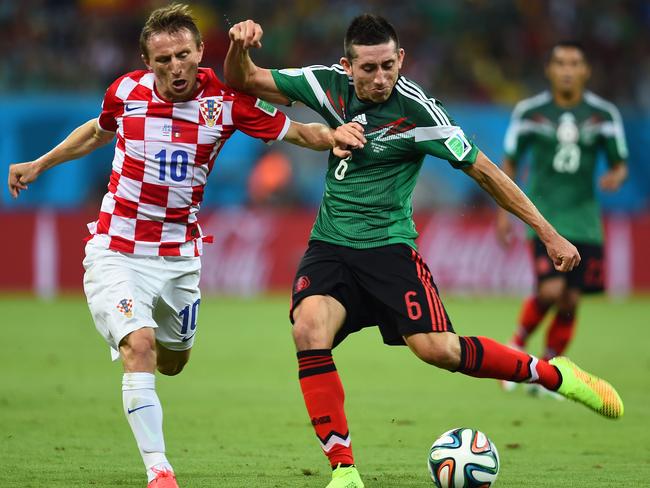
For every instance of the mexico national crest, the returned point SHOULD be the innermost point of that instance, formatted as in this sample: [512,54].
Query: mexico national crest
[210,110]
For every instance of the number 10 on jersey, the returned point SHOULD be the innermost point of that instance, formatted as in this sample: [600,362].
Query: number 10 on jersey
[175,167]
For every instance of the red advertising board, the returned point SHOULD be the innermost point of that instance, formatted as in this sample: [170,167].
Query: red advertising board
[257,251]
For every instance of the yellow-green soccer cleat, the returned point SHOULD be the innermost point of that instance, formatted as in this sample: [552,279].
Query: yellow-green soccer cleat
[580,386]
[345,478]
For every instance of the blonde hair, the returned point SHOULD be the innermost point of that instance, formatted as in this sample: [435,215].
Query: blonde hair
[170,19]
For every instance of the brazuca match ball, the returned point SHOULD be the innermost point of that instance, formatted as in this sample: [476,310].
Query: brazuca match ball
[463,458]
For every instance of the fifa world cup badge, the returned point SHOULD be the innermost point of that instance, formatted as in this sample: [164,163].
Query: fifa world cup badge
[210,110]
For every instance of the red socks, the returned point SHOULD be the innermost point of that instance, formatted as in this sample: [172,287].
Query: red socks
[482,357]
[559,334]
[324,398]
[532,313]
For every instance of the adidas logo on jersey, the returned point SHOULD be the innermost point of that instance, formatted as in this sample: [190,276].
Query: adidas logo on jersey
[361,119]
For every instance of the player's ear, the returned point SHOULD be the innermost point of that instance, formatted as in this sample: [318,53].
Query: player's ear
[400,57]
[347,66]
[145,60]
[201,52]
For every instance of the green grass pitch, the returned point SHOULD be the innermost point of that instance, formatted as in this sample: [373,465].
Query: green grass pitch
[235,416]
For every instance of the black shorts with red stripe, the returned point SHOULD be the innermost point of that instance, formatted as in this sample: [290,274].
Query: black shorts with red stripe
[389,287]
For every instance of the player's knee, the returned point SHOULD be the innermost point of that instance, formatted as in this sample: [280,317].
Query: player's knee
[308,334]
[171,368]
[550,291]
[169,362]
[316,320]
[440,350]
[139,344]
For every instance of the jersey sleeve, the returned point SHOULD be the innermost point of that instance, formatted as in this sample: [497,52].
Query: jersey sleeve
[259,119]
[312,85]
[438,134]
[517,138]
[112,107]
[613,135]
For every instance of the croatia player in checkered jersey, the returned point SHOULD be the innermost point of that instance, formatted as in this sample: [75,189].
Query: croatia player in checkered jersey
[142,260]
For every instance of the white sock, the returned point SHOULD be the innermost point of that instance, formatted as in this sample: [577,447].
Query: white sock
[144,414]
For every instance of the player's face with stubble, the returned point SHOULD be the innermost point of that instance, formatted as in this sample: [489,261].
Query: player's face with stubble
[567,70]
[174,59]
[374,70]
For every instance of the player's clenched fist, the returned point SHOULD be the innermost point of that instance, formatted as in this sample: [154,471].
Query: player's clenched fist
[20,175]
[347,137]
[564,255]
[247,33]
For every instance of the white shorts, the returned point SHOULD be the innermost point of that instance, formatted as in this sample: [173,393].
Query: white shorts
[126,292]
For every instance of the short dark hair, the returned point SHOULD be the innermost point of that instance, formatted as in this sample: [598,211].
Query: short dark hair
[170,19]
[368,30]
[570,43]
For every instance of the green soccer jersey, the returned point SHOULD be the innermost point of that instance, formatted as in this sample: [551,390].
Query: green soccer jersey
[564,145]
[367,199]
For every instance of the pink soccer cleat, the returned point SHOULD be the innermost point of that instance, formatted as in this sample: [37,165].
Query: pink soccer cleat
[164,479]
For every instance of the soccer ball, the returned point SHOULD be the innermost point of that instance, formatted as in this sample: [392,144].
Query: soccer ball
[463,458]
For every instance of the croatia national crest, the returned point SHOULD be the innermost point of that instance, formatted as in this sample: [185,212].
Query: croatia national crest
[126,307]
[210,110]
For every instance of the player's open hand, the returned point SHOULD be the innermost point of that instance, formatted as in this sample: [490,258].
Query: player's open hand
[20,175]
[610,181]
[564,255]
[347,137]
[247,34]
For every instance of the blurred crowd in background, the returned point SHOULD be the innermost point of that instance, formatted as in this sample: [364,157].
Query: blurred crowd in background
[467,50]
[478,56]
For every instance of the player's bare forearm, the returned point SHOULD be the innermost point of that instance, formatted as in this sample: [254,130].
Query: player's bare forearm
[509,196]
[81,141]
[320,137]
[239,70]
[313,136]
[510,170]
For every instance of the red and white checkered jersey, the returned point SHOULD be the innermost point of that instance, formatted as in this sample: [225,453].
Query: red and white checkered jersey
[163,156]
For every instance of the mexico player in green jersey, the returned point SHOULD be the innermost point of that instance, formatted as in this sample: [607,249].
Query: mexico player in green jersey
[564,129]
[362,267]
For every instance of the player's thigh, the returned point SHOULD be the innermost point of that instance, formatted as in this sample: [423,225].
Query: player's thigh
[402,286]
[551,283]
[119,296]
[321,273]
[177,310]
[317,319]
[324,274]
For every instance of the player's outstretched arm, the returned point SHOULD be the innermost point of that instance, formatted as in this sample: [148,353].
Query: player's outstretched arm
[510,197]
[239,70]
[504,224]
[320,137]
[81,141]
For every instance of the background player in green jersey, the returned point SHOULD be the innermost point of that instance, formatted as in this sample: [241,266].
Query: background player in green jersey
[564,129]
[362,267]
